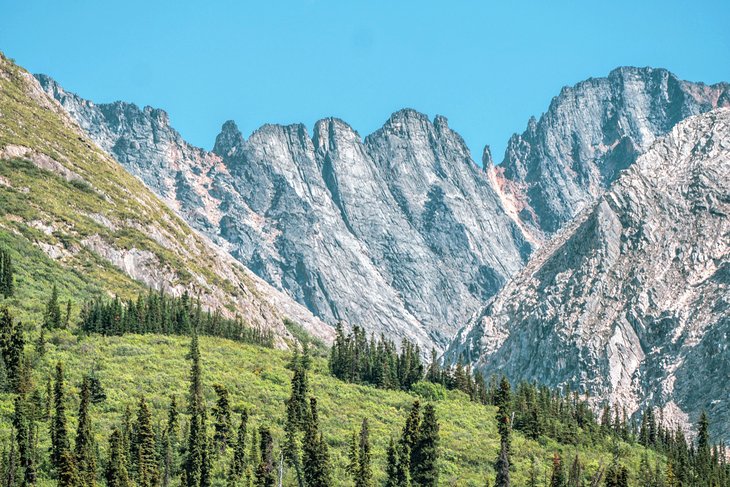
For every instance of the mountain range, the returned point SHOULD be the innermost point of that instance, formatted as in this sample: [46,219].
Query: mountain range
[593,256]
[401,231]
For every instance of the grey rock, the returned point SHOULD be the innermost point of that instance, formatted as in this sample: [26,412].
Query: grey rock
[630,302]
[401,232]
[590,132]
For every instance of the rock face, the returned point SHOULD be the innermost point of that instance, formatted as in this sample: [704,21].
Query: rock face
[631,301]
[125,230]
[590,132]
[400,232]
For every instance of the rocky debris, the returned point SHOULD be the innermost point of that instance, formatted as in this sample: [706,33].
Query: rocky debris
[591,132]
[630,303]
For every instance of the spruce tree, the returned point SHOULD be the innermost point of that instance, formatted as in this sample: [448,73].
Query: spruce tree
[501,466]
[425,453]
[265,473]
[238,461]
[116,468]
[364,475]
[52,316]
[410,435]
[557,478]
[23,424]
[61,457]
[68,475]
[147,471]
[7,286]
[222,414]
[316,463]
[84,447]
[196,434]
[12,344]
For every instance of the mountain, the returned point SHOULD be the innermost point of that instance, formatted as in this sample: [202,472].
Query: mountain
[562,162]
[400,232]
[631,301]
[97,230]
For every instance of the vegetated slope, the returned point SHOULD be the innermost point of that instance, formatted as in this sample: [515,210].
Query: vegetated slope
[631,302]
[257,378]
[99,229]
[401,232]
[562,162]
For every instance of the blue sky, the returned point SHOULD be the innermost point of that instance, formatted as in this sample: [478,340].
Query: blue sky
[487,66]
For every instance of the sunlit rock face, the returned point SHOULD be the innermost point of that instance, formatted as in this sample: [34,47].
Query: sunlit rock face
[590,132]
[401,232]
[630,302]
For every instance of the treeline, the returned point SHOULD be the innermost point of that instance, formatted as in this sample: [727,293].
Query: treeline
[7,286]
[354,358]
[196,445]
[157,312]
[536,411]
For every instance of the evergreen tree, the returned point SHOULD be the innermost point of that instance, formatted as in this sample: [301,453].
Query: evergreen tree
[557,478]
[238,461]
[396,476]
[575,475]
[501,466]
[364,474]
[12,344]
[316,463]
[147,471]
[265,474]
[7,286]
[116,468]
[197,441]
[84,448]
[410,435]
[222,414]
[61,457]
[67,316]
[23,424]
[68,475]
[425,453]
[52,316]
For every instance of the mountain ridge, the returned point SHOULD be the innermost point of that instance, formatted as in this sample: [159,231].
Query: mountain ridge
[629,302]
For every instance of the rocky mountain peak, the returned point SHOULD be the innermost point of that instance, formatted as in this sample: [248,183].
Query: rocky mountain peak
[628,302]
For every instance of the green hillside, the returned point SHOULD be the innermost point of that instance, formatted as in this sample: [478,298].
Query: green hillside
[70,214]
[156,366]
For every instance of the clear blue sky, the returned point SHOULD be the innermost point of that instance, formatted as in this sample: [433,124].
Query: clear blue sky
[487,66]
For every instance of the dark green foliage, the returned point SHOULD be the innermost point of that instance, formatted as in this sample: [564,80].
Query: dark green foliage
[425,452]
[410,435]
[316,462]
[7,284]
[52,317]
[557,477]
[12,344]
[84,445]
[238,461]
[222,415]
[398,465]
[116,469]
[157,312]
[197,437]
[23,424]
[147,470]
[377,362]
[68,475]
[363,472]
[617,476]
[60,450]
[265,473]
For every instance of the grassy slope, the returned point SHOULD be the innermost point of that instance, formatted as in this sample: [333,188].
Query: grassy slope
[258,379]
[42,209]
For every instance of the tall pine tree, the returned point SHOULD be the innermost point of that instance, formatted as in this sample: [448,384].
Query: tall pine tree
[84,448]
[425,452]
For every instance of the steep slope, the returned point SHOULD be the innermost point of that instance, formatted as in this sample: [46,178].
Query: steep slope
[562,162]
[631,302]
[400,232]
[64,196]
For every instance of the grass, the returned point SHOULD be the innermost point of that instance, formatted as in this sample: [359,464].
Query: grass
[156,366]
